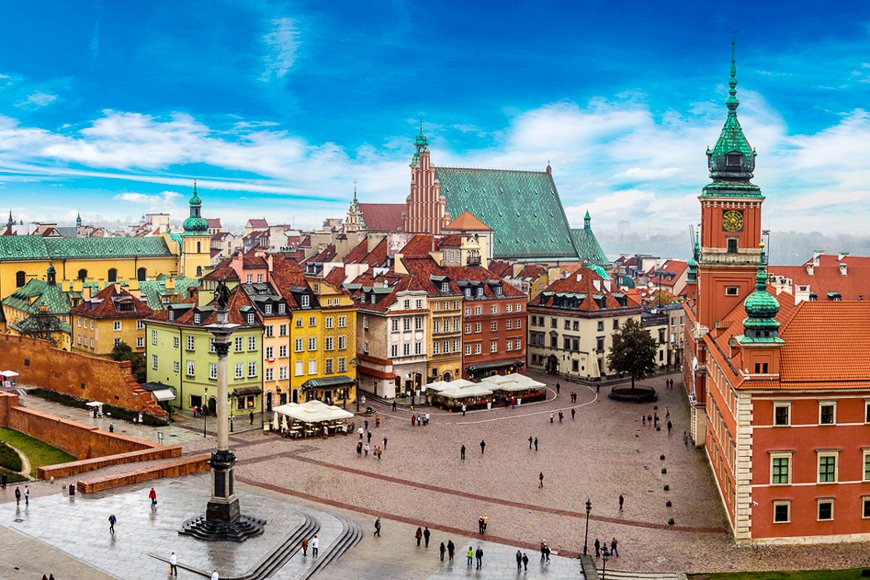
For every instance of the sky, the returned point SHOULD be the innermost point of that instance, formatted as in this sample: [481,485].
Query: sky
[112,108]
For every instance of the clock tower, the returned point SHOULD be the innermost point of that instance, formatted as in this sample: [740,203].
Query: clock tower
[730,220]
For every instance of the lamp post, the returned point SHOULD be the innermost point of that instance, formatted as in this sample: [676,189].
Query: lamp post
[586,535]
[355,362]
[205,414]
[605,554]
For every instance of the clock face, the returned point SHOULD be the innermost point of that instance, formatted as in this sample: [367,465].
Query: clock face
[732,221]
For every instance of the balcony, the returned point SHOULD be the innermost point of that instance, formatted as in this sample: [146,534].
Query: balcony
[474,260]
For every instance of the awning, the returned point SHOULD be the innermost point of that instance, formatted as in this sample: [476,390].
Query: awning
[8,374]
[494,365]
[163,395]
[313,412]
[327,382]
[241,391]
[94,404]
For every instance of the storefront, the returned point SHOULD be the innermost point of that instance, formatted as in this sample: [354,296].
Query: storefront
[338,390]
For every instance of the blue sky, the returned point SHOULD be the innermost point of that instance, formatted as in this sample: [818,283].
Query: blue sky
[112,107]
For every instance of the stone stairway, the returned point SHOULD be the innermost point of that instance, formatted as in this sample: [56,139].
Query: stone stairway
[351,535]
[620,575]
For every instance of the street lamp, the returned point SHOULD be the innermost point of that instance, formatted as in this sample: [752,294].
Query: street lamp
[605,554]
[355,362]
[205,414]
[586,535]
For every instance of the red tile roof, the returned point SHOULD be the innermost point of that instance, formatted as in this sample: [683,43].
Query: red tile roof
[213,222]
[531,272]
[258,223]
[327,254]
[420,245]
[107,304]
[585,285]
[360,254]
[383,217]
[827,276]
[500,268]
[468,222]
[335,278]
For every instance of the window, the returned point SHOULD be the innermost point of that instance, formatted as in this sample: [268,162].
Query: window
[140,342]
[827,413]
[865,507]
[270,353]
[493,309]
[268,309]
[252,369]
[238,344]
[493,346]
[828,467]
[477,328]
[92,342]
[780,469]
[329,366]
[300,370]
[211,346]
[282,308]
[306,301]
[270,376]
[21,278]
[418,323]
[468,311]
[781,512]
[329,321]
[342,364]
[406,304]
[509,345]
[270,331]
[251,318]
[600,326]
[154,361]
[493,326]
[518,308]
[467,329]
[445,287]
[282,330]
[330,342]
[436,326]
[518,324]
[259,278]
[190,368]
[176,366]
[312,367]
[480,292]
[732,291]
[732,245]
[419,304]
[312,343]
[509,308]
[240,370]
[140,325]
[190,343]
[298,323]
[866,465]
[477,310]
[252,343]
[342,342]
[250,279]
[509,325]
[477,348]
[394,351]
[300,345]
[615,324]
[418,348]
[467,350]
[83,275]
[867,411]
[406,324]
[781,414]
[518,344]
[154,338]
[282,351]
[282,373]
[342,321]
[406,349]
[212,371]
[825,510]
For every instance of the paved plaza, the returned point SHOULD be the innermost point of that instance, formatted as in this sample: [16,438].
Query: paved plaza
[604,451]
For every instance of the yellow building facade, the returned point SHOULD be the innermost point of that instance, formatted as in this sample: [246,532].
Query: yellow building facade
[108,318]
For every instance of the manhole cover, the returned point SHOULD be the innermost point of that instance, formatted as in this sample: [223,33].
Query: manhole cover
[173,435]
[18,520]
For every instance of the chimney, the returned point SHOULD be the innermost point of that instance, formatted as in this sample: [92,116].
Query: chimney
[843,269]
[810,268]
[816,255]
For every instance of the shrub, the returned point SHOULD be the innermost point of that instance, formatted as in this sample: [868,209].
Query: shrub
[9,458]
[116,412]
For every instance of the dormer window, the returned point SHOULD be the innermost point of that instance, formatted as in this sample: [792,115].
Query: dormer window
[468,292]
[268,309]
[499,290]
[171,315]
[282,308]
[250,318]
[197,318]
[445,287]
[480,291]
[732,160]
[306,301]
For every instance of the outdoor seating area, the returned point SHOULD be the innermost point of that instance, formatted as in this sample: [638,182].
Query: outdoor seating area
[7,378]
[496,390]
[310,419]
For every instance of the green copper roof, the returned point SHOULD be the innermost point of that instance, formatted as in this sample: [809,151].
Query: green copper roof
[155,290]
[21,248]
[522,208]
[589,249]
[761,307]
[732,160]
[41,324]
[36,294]
[195,225]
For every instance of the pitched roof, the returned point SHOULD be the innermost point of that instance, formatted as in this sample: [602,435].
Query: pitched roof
[588,248]
[36,294]
[155,291]
[467,221]
[383,217]
[500,267]
[327,254]
[360,254]
[111,302]
[522,208]
[20,248]
[420,245]
[531,272]
[213,222]
[827,276]
[238,303]
[584,291]
[258,223]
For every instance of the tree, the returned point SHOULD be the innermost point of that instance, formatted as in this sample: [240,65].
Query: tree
[634,351]
[122,351]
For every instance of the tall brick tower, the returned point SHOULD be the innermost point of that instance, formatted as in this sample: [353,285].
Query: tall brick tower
[426,210]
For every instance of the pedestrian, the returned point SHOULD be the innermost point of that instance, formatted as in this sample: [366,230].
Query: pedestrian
[369,436]
[670,426]
[643,420]
[597,388]
[251,417]
[480,525]
[50,576]
[479,556]
[470,556]
[621,501]
[360,433]
[451,549]
[463,409]
[536,443]
[426,535]
[426,419]
[462,452]
[649,419]
[418,535]
[26,495]
[111,427]
[525,562]
[112,521]
[413,420]
[366,449]
[613,550]
[485,522]
[305,546]
[530,448]
[519,560]
[377,421]
[363,400]
[394,406]
[4,479]
[573,397]
[152,495]
[215,575]
[667,413]
[441,550]
[17,496]
[573,413]
[385,442]
[597,545]
[543,551]
[378,527]
[366,424]
[315,546]
[561,416]
[685,438]
[541,479]
[173,564]
[378,452]
[552,416]
[482,446]
[558,388]
[359,445]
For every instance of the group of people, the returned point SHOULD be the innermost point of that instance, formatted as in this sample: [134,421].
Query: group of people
[419,419]
[377,452]
[18,494]
[562,415]
[601,548]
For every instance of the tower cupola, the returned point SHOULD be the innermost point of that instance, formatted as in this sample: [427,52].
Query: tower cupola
[761,307]
[195,225]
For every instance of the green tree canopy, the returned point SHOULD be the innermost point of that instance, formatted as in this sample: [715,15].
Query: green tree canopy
[122,351]
[633,352]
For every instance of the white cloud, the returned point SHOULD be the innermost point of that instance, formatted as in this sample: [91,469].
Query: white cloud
[282,46]
[37,100]
[163,199]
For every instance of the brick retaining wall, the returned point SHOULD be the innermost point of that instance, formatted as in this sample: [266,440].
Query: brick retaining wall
[171,468]
[85,465]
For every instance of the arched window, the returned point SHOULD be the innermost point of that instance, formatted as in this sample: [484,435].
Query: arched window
[140,274]
[113,275]
[198,247]
[83,275]
[199,271]
[20,278]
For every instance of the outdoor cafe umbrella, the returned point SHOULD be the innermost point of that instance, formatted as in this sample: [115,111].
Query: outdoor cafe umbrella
[284,423]
[276,424]
[8,374]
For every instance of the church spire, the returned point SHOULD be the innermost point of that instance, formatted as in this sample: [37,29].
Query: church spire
[195,225]
[354,190]
[78,219]
[11,221]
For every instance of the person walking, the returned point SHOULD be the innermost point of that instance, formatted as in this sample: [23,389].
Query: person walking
[369,436]
[463,409]
[441,550]
[597,545]
[426,535]
[451,549]
[378,527]
[315,546]
[418,535]
[519,560]
[215,575]
[480,529]
[558,388]
[385,442]
[613,550]
[152,495]
[26,495]
[377,421]
[552,416]
[670,426]
[469,555]
[251,417]
[173,564]
[413,420]
[541,479]
[573,413]
[305,547]
[643,420]
[111,427]
[478,554]
[395,406]
[17,496]
[536,443]
[621,501]
[530,446]
[482,446]
[525,562]
[359,445]
[112,521]
[359,432]
[462,452]
[366,424]
[366,449]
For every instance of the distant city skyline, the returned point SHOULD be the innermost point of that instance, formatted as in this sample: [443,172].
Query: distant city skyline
[112,110]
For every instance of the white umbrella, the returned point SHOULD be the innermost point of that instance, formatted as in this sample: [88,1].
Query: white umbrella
[284,423]
[8,374]
[276,422]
